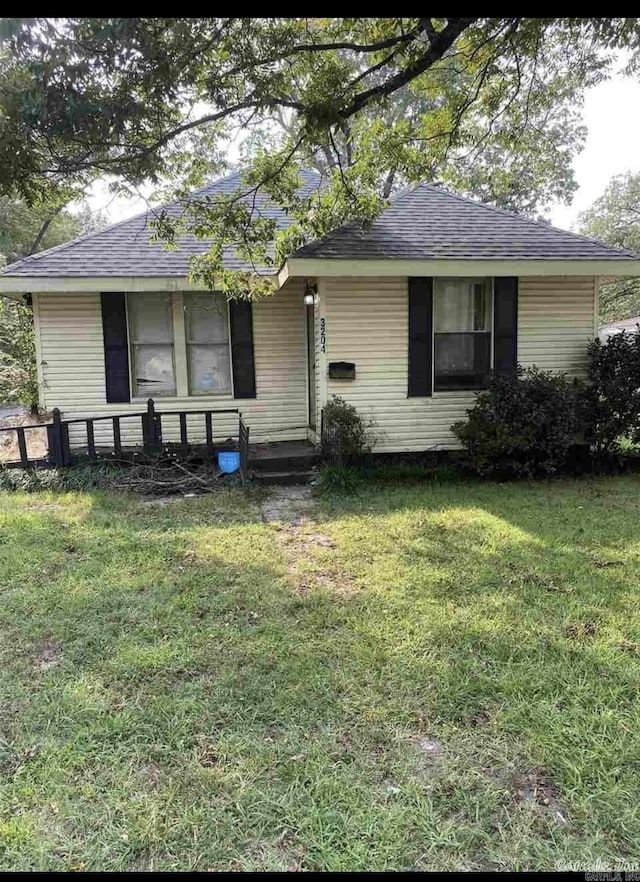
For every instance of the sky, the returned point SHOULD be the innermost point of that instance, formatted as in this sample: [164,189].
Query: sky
[612,118]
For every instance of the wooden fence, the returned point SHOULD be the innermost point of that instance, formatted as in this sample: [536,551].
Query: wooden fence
[61,453]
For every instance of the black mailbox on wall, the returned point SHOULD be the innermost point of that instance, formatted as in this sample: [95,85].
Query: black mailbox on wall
[342,370]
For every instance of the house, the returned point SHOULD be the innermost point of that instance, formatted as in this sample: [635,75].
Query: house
[630,325]
[406,320]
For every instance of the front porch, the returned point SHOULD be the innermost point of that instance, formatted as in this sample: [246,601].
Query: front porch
[132,437]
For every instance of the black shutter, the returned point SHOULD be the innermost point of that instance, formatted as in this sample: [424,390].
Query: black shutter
[420,337]
[244,371]
[505,324]
[116,347]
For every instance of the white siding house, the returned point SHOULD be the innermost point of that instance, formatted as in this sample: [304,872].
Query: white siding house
[72,366]
[366,322]
[405,320]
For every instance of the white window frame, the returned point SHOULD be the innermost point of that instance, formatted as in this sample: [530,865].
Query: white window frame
[180,355]
[490,282]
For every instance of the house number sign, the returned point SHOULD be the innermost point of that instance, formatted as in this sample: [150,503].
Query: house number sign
[323,335]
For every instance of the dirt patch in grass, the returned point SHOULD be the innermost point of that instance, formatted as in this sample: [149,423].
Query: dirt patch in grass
[630,647]
[291,850]
[532,787]
[297,539]
[12,760]
[152,775]
[535,787]
[604,563]
[538,582]
[208,755]
[334,581]
[50,655]
[285,852]
[581,630]
[430,761]
[429,746]
[480,718]
[319,539]
[299,543]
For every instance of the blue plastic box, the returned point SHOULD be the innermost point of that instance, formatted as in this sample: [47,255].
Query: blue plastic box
[229,461]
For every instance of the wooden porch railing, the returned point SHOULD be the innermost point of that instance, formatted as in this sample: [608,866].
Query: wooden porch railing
[60,453]
[330,440]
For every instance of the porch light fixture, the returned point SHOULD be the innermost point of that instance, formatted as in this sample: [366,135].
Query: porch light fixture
[310,291]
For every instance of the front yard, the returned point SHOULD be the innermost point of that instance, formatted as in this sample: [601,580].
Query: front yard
[432,677]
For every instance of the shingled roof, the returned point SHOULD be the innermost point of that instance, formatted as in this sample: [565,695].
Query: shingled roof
[427,223]
[125,249]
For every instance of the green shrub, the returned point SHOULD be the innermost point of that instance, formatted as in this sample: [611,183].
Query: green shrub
[84,477]
[612,395]
[339,480]
[18,373]
[355,435]
[524,425]
[27,481]
[152,477]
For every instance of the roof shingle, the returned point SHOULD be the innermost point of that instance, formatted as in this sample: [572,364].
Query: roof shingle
[427,223]
[125,249]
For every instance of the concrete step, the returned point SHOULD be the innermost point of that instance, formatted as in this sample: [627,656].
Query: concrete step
[284,477]
[295,463]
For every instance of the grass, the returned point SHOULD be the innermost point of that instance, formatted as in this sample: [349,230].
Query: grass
[434,677]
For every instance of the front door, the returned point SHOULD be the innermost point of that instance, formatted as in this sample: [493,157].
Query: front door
[311,366]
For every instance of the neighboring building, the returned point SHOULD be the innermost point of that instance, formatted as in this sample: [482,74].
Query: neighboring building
[407,321]
[629,324]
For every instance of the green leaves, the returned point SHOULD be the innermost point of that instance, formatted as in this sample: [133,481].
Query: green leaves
[490,106]
[24,230]
[613,392]
[524,425]
[614,218]
[18,375]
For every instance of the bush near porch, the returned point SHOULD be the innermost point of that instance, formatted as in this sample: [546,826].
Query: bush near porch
[538,423]
[524,425]
[432,677]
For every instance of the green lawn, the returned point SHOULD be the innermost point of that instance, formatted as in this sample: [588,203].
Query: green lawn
[438,676]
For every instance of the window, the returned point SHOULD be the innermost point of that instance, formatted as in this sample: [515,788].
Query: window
[207,335]
[462,333]
[151,336]
[179,344]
